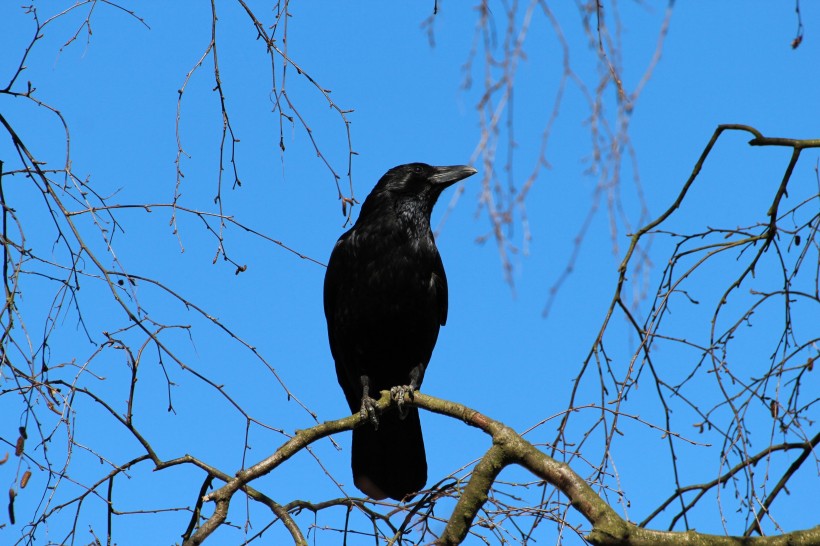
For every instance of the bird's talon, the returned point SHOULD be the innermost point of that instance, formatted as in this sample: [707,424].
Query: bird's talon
[397,394]
[369,412]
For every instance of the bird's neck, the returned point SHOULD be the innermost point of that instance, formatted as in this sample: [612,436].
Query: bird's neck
[404,217]
[414,217]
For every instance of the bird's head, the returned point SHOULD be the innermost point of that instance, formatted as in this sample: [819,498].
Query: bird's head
[416,184]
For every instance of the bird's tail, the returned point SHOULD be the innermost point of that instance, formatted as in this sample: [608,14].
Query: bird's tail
[390,461]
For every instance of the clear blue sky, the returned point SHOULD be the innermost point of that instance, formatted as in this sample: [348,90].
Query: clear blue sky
[728,62]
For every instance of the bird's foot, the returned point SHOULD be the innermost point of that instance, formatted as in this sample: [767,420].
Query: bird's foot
[397,393]
[368,411]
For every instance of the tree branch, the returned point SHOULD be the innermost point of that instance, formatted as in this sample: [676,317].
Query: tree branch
[508,447]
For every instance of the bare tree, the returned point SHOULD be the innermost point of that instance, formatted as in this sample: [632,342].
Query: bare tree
[88,420]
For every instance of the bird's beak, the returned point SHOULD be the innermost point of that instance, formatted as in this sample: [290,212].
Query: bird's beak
[445,176]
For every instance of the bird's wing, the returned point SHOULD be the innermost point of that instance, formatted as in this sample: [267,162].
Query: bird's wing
[347,372]
[335,266]
[440,286]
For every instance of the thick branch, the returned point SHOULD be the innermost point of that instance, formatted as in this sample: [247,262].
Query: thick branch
[632,535]
[303,438]
[608,528]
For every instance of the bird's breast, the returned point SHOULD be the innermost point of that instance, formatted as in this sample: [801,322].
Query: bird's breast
[391,279]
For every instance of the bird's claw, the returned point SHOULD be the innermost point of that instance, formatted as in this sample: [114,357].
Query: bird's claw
[397,393]
[368,411]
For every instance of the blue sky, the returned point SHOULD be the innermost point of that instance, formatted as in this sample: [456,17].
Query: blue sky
[728,62]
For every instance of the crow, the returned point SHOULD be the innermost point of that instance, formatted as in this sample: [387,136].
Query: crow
[385,297]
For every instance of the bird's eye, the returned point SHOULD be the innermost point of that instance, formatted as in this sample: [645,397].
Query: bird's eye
[417,169]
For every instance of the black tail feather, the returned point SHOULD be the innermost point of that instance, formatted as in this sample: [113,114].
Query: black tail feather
[390,461]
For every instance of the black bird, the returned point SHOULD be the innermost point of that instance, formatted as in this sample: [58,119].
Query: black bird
[385,298]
